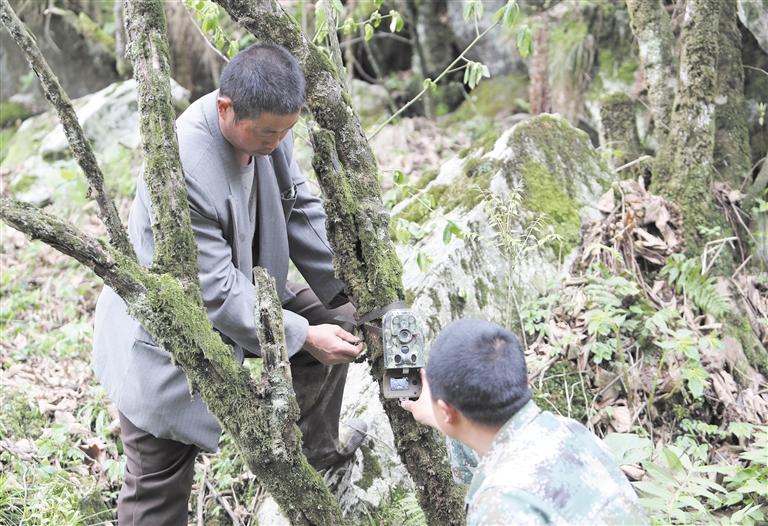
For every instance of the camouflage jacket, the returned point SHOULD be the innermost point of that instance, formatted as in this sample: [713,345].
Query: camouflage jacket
[546,469]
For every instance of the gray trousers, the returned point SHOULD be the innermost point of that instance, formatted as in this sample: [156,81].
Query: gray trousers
[159,472]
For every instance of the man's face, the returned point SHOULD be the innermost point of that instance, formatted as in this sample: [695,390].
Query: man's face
[259,136]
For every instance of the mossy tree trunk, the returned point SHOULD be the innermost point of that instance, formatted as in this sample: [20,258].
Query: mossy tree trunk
[618,131]
[260,415]
[732,151]
[684,167]
[652,28]
[358,231]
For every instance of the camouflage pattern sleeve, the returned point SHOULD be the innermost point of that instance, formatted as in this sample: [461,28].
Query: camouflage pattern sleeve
[499,507]
[463,461]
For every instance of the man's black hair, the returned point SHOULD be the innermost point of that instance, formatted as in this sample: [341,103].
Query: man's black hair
[478,367]
[263,78]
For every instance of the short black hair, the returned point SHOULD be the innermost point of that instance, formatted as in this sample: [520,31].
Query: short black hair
[263,78]
[479,368]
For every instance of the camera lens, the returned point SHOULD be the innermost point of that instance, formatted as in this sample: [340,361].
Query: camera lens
[405,335]
[398,359]
[405,349]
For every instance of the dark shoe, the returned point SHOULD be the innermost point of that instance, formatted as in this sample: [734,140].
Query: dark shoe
[359,428]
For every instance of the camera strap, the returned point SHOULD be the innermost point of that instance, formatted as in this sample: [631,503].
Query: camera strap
[375,314]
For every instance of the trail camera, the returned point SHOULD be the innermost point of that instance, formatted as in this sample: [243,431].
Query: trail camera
[404,354]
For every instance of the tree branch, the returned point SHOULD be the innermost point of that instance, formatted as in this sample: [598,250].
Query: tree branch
[67,239]
[175,248]
[79,145]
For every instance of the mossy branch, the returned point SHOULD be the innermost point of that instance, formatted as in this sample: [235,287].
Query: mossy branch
[306,499]
[81,148]
[653,30]
[67,239]
[175,249]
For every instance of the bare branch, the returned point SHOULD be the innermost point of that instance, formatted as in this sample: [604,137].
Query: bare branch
[81,149]
[175,248]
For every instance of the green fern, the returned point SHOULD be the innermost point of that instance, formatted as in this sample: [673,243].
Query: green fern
[686,276]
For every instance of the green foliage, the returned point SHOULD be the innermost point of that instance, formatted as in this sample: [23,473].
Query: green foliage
[210,16]
[11,113]
[402,510]
[683,487]
[687,277]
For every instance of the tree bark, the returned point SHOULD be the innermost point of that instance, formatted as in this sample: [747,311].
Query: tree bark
[684,168]
[81,148]
[618,131]
[652,28]
[732,152]
[358,231]
[175,248]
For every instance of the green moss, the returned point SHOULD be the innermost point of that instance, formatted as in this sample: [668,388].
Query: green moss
[427,177]
[562,391]
[545,194]
[6,134]
[457,303]
[371,468]
[506,93]
[481,292]
[24,144]
[621,68]
[93,31]
[11,112]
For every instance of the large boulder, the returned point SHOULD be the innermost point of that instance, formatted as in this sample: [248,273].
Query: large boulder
[38,159]
[494,229]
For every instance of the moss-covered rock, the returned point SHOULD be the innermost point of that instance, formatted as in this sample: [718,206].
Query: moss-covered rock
[498,224]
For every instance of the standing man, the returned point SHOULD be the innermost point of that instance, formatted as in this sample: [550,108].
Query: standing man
[250,205]
[536,468]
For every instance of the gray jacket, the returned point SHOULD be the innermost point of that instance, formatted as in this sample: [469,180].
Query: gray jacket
[228,207]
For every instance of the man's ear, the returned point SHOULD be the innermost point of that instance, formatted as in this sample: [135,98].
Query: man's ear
[450,415]
[223,103]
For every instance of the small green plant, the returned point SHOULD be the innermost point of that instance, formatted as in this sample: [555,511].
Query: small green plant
[688,279]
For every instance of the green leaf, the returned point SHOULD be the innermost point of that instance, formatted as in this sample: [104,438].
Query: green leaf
[525,41]
[375,18]
[397,22]
[234,48]
[673,461]
[378,3]
[337,6]
[473,72]
[398,177]
[423,261]
[508,14]
[430,85]
[696,378]
[451,229]
[368,29]
[473,10]
[349,26]
[628,448]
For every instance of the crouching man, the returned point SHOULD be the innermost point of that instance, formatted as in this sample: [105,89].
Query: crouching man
[535,467]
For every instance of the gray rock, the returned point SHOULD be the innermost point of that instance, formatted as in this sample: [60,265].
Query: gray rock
[39,158]
[536,166]
[497,49]
[754,15]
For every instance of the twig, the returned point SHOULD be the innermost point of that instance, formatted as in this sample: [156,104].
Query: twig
[201,499]
[424,90]
[743,264]
[224,504]
[374,437]
[205,37]
[632,163]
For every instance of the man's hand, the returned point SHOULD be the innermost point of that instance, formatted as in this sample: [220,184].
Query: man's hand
[331,345]
[421,409]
